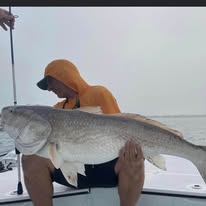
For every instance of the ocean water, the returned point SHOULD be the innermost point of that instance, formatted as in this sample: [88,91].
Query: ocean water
[193,129]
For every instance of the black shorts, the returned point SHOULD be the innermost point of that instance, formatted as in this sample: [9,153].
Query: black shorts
[101,175]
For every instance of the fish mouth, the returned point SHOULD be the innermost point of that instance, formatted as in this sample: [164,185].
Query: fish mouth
[2,125]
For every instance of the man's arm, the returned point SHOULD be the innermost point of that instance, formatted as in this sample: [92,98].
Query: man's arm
[130,170]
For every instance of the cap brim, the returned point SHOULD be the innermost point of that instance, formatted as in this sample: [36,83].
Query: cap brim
[42,84]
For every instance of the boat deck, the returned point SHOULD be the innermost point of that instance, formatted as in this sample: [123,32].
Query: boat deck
[181,180]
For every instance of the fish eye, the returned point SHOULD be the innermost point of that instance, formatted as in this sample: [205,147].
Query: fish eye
[12,110]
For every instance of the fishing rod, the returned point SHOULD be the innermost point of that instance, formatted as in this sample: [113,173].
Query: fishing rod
[19,185]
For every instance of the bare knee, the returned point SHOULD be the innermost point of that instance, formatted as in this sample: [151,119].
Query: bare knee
[37,179]
[32,164]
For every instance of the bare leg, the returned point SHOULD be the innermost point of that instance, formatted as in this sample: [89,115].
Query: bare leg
[130,170]
[37,178]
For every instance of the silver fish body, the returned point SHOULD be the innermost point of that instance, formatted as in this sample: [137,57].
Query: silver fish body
[86,138]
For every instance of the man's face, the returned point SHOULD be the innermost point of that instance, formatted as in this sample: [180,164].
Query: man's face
[61,90]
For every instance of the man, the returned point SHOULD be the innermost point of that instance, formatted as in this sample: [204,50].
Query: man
[63,78]
[6,19]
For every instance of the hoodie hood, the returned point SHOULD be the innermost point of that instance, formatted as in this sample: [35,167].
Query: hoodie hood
[66,72]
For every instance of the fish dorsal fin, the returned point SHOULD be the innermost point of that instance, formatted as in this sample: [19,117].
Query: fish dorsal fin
[140,118]
[91,109]
[152,122]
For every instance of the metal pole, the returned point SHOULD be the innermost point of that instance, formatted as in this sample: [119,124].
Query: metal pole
[12,61]
[19,186]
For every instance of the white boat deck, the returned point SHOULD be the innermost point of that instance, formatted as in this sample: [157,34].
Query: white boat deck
[181,180]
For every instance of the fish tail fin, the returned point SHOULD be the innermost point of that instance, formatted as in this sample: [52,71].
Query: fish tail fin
[201,163]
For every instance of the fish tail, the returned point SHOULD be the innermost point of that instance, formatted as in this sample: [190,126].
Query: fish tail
[201,163]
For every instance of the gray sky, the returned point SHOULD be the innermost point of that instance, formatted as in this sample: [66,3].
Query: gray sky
[152,59]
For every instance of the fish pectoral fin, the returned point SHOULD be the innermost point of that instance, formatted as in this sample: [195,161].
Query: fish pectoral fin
[158,161]
[70,170]
[54,155]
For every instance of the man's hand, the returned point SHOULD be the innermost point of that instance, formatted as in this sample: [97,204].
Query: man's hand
[130,170]
[6,19]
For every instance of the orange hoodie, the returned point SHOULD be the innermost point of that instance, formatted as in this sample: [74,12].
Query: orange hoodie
[66,72]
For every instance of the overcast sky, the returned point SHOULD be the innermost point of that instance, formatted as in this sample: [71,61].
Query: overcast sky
[152,59]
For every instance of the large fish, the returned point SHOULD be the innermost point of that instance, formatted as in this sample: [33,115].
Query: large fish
[72,138]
